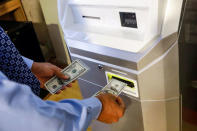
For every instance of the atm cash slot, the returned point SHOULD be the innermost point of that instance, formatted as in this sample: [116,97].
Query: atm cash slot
[129,83]
[131,89]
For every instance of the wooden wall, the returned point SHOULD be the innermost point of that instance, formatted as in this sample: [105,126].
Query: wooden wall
[33,13]
[43,14]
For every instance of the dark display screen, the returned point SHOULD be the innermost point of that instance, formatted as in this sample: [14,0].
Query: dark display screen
[128,19]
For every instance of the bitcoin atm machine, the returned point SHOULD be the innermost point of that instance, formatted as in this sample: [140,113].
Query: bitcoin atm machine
[134,41]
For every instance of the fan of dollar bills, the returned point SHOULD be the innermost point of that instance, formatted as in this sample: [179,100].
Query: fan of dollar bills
[76,69]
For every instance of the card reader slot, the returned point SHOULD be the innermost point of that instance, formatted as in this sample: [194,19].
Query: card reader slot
[91,17]
[129,83]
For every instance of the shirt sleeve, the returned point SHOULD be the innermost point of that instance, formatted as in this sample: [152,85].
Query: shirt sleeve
[29,62]
[21,110]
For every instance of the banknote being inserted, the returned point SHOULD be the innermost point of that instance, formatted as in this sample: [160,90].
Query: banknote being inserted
[76,69]
[114,87]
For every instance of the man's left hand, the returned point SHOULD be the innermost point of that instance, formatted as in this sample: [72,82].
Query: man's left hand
[44,71]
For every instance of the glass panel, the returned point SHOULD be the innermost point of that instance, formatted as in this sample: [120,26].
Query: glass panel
[188,65]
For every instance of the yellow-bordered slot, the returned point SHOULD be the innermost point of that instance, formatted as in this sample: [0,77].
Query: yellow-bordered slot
[129,83]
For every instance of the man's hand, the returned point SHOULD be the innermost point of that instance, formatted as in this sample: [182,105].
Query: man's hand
[44,71]
[112,108]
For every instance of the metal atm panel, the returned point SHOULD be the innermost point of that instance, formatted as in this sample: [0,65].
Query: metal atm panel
[157,99]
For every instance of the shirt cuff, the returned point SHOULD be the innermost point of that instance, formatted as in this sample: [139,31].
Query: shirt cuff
[29,62]
[94,106]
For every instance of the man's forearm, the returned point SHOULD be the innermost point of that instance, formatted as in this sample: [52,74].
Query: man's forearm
[23,110]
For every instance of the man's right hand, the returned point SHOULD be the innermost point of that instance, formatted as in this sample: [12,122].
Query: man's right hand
[112,108]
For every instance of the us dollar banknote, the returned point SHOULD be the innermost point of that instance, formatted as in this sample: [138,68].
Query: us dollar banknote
[73,71]
[114,87]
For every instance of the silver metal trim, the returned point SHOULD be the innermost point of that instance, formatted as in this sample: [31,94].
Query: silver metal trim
[135,61]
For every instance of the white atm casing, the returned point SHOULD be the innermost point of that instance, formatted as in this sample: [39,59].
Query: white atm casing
[98,21]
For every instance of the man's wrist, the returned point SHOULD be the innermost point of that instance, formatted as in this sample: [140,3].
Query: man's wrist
[34,66]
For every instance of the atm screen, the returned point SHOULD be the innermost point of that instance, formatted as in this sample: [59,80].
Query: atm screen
[128,19]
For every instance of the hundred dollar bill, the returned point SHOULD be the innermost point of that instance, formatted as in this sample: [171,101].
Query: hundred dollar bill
[114,87]
[74,71]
